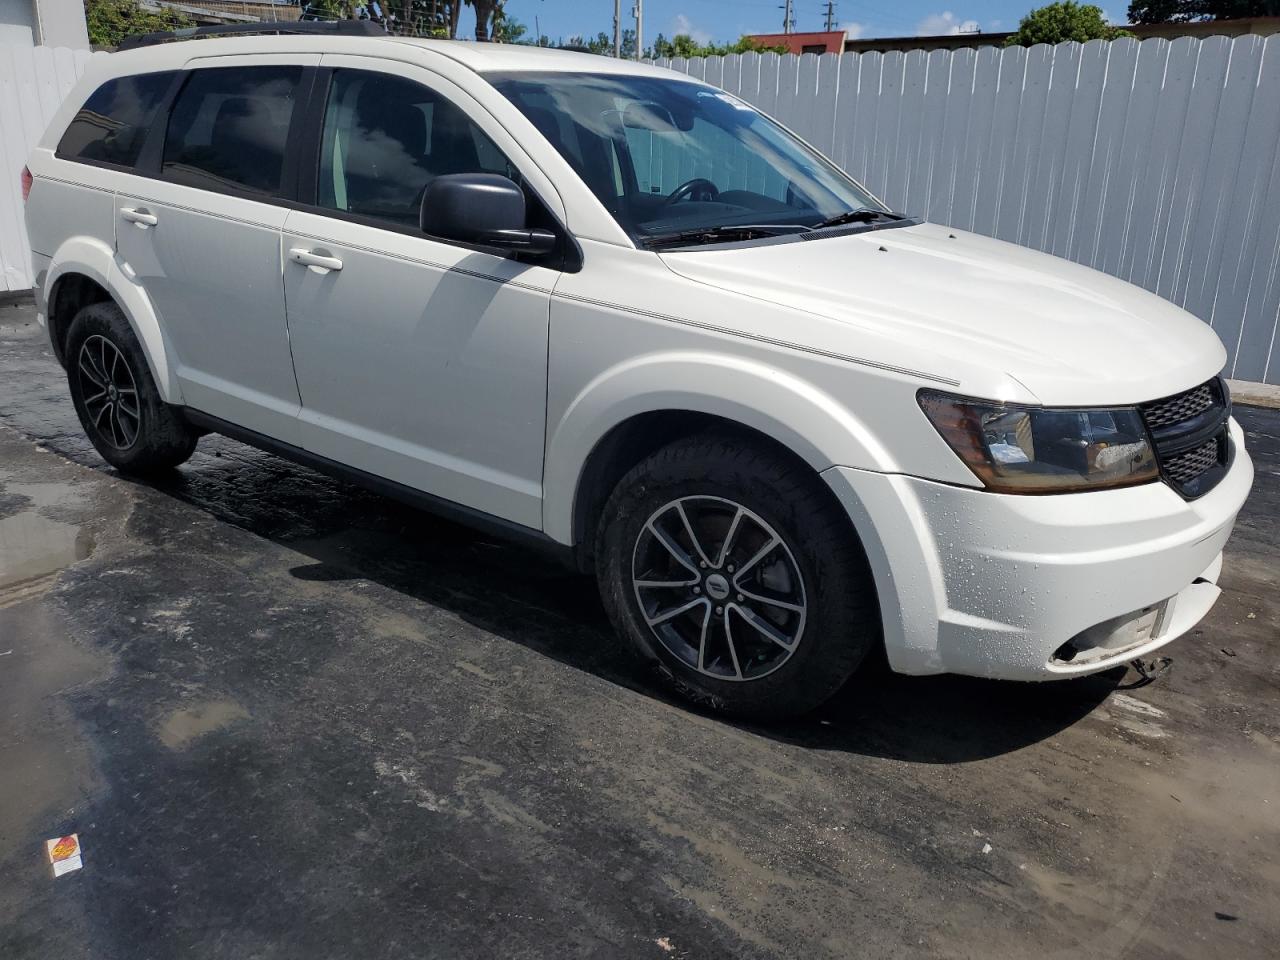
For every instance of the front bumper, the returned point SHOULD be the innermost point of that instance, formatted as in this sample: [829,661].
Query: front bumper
[995,585]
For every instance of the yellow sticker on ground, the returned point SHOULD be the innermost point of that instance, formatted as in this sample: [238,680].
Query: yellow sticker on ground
[64,854]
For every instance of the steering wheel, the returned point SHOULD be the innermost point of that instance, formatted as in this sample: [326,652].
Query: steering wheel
[699,188]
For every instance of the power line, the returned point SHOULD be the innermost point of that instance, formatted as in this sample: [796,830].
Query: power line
[831,15]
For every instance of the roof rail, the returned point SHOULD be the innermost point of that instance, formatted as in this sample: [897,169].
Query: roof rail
[344,28]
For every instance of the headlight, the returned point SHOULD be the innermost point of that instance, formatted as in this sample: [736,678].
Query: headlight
[1017,449]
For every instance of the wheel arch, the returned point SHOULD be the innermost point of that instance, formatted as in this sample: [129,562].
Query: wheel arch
[83,271]
[629,412]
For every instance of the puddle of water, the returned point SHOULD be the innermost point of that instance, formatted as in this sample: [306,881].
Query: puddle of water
[183,726]
[33,549]
[45,494]
[47,767]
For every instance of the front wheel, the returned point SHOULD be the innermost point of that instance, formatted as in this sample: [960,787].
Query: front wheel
[732,570]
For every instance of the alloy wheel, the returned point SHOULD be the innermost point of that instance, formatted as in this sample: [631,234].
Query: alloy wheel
[109,392]
[719,588]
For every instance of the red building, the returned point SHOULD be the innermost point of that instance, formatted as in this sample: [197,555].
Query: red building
[832,42]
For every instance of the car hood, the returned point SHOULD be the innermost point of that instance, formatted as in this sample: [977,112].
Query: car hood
[964,307]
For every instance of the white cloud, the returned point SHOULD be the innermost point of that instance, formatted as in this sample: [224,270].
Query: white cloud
[854,30]
[682,24]
[944,24]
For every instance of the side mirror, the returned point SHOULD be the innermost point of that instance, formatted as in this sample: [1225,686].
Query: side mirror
[485,209]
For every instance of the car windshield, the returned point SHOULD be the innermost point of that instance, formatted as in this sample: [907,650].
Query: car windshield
[673,157]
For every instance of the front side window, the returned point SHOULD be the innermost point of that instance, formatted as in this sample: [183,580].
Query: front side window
[670,155]
[385,138]
[228,128]
[114,121]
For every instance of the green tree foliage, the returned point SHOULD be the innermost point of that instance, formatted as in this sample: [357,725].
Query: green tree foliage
[1063,21]
[680,45]
[1182,11]
[508,29]
[329,9]
[683,45]
[602,43]
[110,21]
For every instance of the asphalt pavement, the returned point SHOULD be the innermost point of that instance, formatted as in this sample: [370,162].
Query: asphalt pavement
[288,718]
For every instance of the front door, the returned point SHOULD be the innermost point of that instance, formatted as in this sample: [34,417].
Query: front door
[203,241]
[417,360]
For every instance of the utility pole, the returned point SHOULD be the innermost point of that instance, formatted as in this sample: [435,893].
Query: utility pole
[788,21]
[831,15]
[617,29]
[639,10]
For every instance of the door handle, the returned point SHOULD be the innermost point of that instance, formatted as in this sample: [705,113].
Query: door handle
[318,262]
[139,216]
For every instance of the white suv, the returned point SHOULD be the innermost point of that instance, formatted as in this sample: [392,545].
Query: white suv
[623,315]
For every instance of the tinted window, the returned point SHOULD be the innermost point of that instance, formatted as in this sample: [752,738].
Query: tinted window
[113,123]
[384,140]
[228,128]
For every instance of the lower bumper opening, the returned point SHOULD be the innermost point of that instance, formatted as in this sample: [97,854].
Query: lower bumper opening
[1112,637]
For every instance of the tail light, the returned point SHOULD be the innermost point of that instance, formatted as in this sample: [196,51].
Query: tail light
[26,183]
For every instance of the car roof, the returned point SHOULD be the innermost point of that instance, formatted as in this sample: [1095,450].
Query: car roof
[502,57]
[480,57]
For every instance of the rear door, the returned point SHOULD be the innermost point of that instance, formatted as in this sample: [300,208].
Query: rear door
[418,359]
[201,236]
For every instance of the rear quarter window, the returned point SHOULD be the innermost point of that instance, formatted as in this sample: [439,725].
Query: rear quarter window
[113,123]
[228,128]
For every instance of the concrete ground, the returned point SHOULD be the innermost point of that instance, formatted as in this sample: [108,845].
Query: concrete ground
[290,719]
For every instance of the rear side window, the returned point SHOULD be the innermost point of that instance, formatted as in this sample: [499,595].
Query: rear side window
[228,128]
[113,123]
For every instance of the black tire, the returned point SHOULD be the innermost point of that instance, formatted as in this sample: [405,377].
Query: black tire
[150,438]
[837,615]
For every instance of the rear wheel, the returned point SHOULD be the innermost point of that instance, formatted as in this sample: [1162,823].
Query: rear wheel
[731,569]
[116,398]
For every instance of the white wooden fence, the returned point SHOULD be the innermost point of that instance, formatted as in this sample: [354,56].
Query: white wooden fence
[1156,161]
[33,81]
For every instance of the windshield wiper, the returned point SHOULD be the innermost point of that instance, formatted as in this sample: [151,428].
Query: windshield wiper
[753,231]
[861,215]
[723,233]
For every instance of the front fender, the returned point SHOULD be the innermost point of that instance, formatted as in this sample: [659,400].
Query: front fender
[808,421]
[96,260]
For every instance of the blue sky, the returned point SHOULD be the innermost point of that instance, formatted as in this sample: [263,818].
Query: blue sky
[722,20]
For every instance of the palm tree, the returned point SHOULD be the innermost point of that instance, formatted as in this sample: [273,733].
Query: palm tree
[485,11]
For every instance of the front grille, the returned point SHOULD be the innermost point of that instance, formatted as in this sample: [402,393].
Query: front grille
[1190,434]
[1175,409]
[1185,467]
